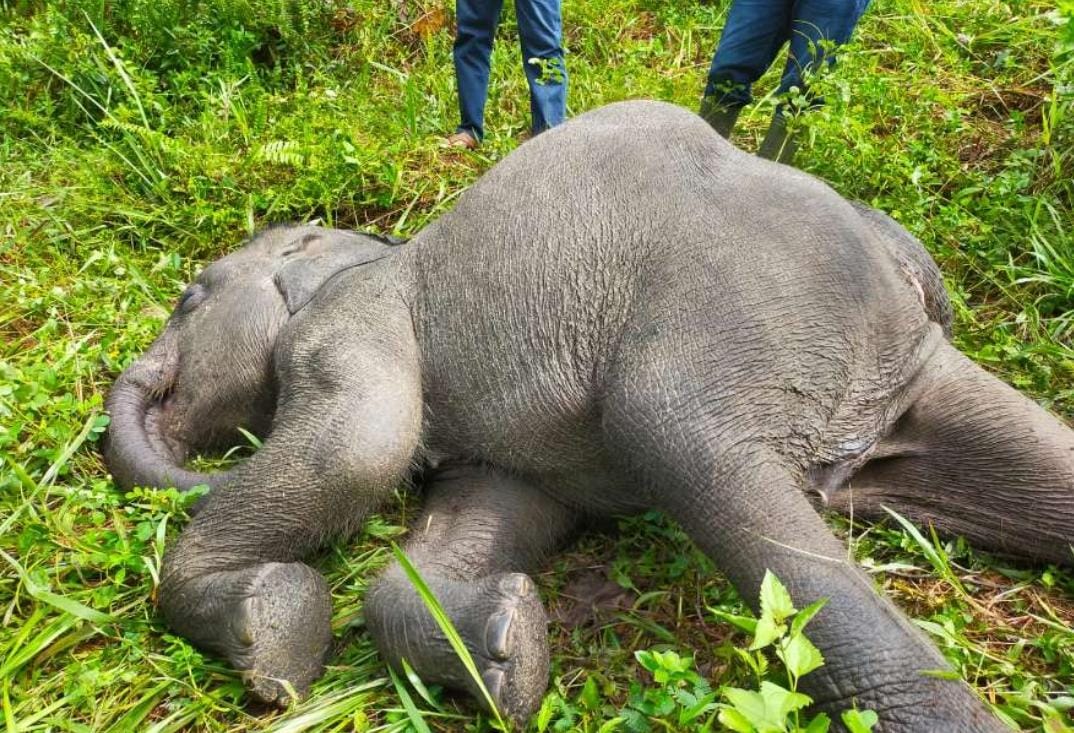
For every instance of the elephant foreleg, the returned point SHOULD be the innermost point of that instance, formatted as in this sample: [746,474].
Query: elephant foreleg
[233,582]
[975,458]
[479,533]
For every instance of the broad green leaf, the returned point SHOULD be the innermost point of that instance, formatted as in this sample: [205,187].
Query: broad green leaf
[736,721]
[647,659]
[775,600]
[590,695]
[781,701]
[743,623]
[767,632]
[799,655]
[819,724]
[766,710]
[664,706]
[806,615]
[859,721]
[748,704]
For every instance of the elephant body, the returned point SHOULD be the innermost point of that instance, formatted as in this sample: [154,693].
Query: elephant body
[747,287]
[626,313]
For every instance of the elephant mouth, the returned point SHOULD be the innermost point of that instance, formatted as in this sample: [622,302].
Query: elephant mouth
[157,416]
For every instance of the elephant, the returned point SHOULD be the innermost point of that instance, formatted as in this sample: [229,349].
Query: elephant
[626,313]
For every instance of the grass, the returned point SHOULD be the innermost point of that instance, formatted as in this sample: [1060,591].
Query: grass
[142,138]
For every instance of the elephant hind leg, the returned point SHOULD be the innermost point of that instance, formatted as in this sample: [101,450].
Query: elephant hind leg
[479,532]
[975,458]
[744,505]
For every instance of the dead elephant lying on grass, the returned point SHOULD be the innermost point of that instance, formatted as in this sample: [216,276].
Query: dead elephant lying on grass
[598,327]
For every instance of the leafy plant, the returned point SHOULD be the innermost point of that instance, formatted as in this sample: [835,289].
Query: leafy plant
[776,707]
[549,70]
[681,698]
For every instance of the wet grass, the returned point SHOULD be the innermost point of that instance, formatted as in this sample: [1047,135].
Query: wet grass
[141,139]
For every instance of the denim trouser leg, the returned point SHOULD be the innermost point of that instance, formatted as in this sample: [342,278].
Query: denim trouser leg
[751,38]
[476,21]
[540,30]
[817,23]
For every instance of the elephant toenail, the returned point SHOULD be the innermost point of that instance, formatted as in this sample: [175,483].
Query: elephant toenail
[498,634]
[242,623]
[517,583]
[493,679]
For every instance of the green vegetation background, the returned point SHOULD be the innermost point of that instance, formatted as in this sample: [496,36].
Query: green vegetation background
[141,138]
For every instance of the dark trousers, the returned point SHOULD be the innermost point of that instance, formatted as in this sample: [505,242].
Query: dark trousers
[540,30]
[755,32]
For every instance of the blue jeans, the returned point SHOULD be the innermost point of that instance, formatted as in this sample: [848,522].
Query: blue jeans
[755,32]
[540,29]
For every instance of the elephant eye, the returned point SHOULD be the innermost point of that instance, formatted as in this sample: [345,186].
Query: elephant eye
[190,298]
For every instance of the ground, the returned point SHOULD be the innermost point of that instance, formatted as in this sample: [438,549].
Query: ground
[142,138]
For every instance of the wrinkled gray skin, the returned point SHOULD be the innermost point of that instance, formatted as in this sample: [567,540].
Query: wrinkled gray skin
[599,327]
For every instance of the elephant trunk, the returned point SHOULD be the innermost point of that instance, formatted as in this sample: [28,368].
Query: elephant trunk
[138,449]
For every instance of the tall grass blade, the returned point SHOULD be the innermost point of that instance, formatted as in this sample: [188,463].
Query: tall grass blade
[62,603]
[408,704]
[936,556]
[442,620]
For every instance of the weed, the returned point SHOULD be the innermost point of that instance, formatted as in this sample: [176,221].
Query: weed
[776,706]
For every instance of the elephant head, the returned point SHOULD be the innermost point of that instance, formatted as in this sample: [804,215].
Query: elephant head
[211,370]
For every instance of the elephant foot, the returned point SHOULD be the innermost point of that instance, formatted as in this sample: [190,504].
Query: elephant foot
[500,619]
[282,632]
[513,653]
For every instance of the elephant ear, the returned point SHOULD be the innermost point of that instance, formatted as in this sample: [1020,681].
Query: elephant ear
[316,258]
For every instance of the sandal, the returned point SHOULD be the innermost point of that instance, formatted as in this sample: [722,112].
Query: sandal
[461,139]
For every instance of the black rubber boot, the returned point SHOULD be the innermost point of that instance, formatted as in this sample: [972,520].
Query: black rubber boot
[721,117]
[779,144]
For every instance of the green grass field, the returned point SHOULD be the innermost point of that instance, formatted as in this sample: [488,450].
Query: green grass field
[140,139]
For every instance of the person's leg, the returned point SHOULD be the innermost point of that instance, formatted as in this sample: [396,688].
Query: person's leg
[780,142]
[817,28]
[540,30]
[476,21]
[754,33]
